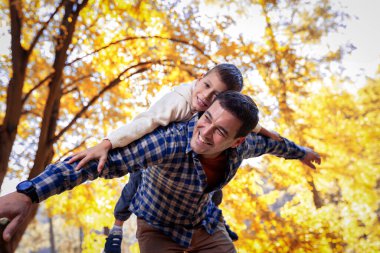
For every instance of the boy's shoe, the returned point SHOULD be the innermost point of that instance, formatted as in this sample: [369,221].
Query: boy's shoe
[232,234]
[113,243]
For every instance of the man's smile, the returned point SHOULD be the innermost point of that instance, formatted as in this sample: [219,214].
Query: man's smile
[202,140]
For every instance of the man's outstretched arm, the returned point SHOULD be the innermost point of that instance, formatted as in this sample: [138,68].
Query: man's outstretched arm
[257,145]
[62,176]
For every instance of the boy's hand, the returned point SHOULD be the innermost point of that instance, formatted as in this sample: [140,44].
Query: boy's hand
[310,158]
[99,152]
[275,136]
[14,206]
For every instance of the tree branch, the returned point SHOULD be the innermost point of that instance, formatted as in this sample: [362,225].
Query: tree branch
[113,83]
[39,33]
[35,88]
[76,81]
[198,48]
[71,150]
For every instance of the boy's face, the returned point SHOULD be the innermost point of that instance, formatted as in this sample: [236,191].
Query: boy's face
[205,91]
[215,132]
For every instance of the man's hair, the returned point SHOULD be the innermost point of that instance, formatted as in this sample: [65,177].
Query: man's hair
[230,75]
[242,107]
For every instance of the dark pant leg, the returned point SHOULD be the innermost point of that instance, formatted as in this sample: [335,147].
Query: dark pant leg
[217,197]
[121,211]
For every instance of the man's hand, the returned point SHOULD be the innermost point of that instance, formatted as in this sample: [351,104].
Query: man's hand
[14,206]
[310,158]
[99,152]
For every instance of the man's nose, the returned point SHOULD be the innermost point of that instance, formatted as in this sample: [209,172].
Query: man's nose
[207,132]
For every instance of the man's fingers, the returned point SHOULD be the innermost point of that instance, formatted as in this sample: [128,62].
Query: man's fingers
[319,159]
[316,158]
[311,165]
[308,163]
[10,230]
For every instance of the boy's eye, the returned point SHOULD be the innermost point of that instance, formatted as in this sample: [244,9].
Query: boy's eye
[207,85]
[220,132]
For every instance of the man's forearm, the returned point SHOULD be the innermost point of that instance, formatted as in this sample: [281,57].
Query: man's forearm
[257,145]
[61,176]
[292,151]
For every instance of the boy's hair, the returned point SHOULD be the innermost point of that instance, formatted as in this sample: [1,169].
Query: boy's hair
[229,75]
[242,107]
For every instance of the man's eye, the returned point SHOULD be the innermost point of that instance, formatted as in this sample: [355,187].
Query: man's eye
[220,132]
[206,118]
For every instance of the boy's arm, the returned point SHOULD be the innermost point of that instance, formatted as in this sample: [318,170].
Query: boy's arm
[259,129]
[170,108]
[271,134]
[99,152]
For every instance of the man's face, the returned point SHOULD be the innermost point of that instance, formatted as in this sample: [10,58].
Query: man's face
[215,132]
[205,91]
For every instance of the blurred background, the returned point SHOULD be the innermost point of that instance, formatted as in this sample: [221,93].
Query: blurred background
[72,71]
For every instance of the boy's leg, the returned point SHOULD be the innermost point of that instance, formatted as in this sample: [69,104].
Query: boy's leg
[232,234]
[217,198]
[122,213]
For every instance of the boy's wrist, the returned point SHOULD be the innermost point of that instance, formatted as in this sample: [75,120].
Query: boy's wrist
[106,143]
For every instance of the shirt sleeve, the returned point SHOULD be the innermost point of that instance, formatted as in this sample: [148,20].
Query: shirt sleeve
[257,145]
[61,176]
[170,108]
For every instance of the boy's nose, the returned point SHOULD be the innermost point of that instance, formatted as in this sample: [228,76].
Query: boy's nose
[209,95]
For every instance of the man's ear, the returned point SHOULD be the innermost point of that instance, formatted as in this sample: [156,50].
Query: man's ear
[237,142]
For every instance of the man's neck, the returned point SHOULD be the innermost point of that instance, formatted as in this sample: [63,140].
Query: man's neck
[211,156]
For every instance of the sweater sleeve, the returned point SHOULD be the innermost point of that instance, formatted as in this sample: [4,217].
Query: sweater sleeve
[170,108]
[257,128]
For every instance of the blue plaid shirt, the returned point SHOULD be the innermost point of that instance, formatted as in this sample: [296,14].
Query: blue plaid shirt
[172,196]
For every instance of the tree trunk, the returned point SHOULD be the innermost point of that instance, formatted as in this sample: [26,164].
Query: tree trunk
[81,236]
[45,151]
[8,129]
[51,235]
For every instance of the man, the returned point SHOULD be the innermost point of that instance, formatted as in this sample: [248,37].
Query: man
[185,163]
